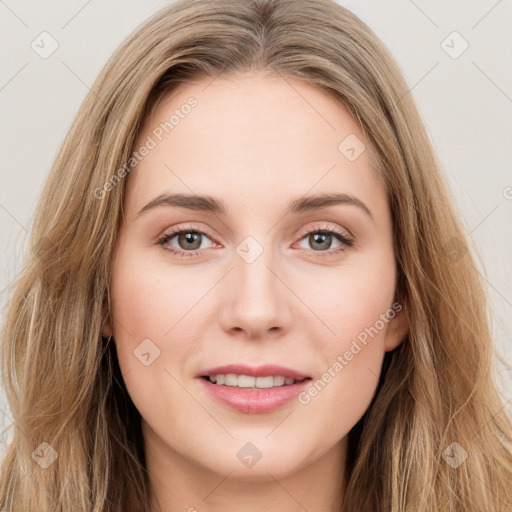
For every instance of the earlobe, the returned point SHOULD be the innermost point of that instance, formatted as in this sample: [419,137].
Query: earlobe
[396,331]
[107,328]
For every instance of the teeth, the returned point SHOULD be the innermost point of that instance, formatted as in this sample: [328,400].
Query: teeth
[246,381]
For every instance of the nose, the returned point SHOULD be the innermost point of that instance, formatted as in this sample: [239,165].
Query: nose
[257,300]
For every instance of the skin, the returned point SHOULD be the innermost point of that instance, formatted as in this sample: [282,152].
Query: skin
[255,142]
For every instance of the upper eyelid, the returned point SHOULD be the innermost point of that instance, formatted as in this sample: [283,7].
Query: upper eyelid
[327,228]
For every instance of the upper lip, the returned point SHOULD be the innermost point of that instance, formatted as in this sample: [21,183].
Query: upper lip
[255,371]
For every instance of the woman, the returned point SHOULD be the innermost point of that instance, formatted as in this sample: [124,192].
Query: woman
[323,344]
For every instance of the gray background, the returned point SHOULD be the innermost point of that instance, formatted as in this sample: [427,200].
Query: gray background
[465,99]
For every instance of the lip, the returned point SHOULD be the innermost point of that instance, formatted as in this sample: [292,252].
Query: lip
[255,371]
[252,400]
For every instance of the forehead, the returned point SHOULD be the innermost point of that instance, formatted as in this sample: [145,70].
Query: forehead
[257,134]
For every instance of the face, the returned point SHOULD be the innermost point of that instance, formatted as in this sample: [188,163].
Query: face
[271,276]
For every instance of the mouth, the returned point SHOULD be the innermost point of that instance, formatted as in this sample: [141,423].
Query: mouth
[250,382]
[253,390]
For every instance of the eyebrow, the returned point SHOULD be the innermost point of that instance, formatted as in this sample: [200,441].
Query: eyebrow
[218,207]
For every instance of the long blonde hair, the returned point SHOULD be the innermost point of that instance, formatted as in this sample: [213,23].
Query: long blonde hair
[62,379]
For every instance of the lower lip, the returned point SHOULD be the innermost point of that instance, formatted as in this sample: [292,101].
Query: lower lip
[255,401]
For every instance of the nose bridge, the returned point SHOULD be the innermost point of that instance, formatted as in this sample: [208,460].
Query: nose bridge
[257,300]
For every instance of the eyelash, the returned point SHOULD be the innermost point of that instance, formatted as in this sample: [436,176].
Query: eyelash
[344,239]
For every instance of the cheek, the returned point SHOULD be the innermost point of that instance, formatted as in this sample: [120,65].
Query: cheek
[359,308]
[138,313]
[355,305]
[352,361]
[148,302]
[149,298]
[351,299]
[154,310]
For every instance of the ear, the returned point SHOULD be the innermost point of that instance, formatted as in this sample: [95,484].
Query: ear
[397,328]
[107,328]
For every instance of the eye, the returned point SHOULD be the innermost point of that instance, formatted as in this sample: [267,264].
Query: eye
[321,239]
[189,241]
